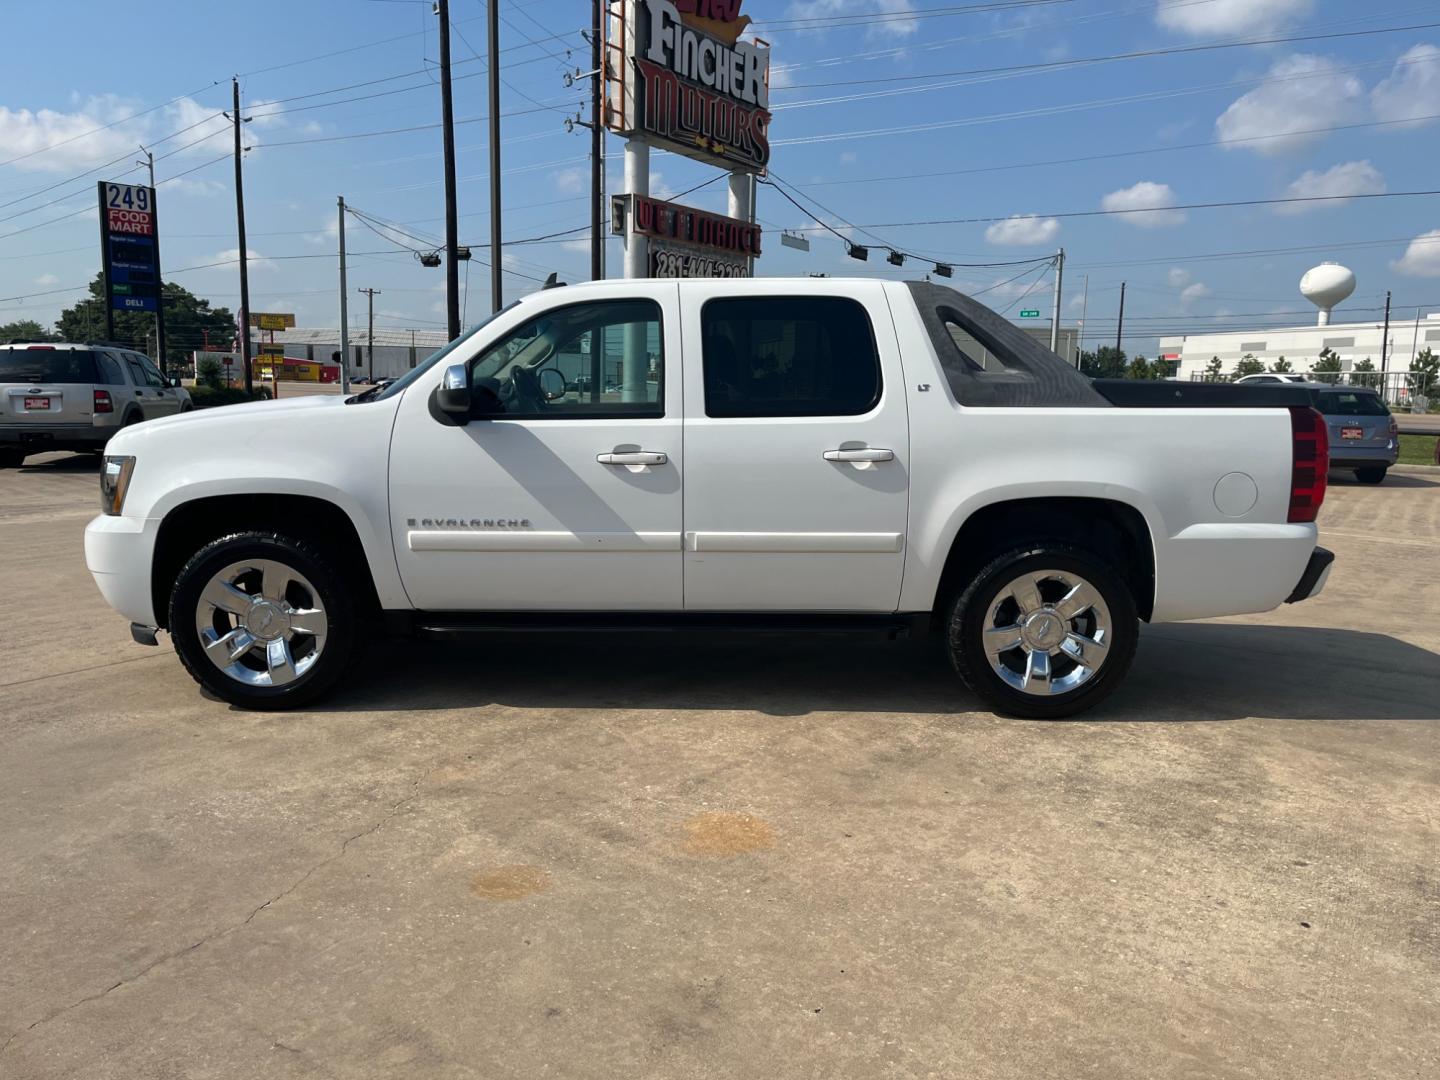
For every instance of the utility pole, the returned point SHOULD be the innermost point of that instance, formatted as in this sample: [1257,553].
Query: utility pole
[159,277]
[597,147]
[452,224]
[1120,323]
[344,308]
[1055,316]
[1385,349]
[1084,313]
[370,295]
[497,286]
[240,228]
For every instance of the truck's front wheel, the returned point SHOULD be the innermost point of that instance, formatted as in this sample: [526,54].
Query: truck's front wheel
[263,620]
[1043,631]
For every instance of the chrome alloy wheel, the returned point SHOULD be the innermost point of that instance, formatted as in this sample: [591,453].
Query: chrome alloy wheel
[261,623]
[1047,632]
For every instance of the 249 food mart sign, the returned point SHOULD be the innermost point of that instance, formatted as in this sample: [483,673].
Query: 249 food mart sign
[688,84]
[129,247]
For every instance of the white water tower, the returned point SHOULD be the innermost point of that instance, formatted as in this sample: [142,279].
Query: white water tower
[1325,286]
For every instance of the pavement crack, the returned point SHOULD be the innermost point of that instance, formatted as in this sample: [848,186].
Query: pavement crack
[415,789]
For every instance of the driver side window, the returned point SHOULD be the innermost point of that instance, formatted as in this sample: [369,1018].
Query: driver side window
[601,360]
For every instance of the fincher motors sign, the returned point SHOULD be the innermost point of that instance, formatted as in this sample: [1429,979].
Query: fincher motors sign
[698,89]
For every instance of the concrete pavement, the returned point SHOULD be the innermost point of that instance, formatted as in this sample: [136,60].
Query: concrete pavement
[702,857]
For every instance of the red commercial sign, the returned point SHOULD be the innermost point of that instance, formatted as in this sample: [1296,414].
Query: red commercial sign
[131,222]
[671,221]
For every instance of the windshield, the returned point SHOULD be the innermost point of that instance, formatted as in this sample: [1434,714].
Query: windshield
[47,366]
[399,385]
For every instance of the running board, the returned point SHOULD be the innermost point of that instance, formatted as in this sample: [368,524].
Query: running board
[432,624]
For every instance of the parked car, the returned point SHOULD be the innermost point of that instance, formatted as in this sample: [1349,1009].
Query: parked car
[1274,377]
[1364,436]
[811,454]
[75,397]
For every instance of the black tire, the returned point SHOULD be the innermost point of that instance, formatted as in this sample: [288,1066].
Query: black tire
[1371,476]
[11,457]
[965,630]
[334,593]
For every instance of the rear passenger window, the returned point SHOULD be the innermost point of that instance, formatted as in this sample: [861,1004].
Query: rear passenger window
[789,356]
[1348,404]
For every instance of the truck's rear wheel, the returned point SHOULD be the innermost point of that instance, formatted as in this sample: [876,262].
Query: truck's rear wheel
[1043,631]
[263,620]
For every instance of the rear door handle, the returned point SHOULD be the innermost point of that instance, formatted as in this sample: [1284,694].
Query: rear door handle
[634,457]
[862,454]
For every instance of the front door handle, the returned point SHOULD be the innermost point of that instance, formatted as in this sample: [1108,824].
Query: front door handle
[632,457]
[864,453]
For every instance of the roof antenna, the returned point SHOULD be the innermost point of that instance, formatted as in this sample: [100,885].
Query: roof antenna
[551,282]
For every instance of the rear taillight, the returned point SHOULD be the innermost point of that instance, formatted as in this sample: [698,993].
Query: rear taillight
[1309,463]
[102,402]
[1394,429]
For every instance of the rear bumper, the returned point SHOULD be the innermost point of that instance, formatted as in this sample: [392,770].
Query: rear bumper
[1218,569]
[1363,457]
[37,438]
[1317,572]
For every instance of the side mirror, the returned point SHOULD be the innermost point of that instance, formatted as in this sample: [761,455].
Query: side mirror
[552,384]
[174,384]
[452,397]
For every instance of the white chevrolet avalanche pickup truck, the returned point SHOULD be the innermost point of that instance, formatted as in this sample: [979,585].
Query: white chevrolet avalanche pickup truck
[794,455]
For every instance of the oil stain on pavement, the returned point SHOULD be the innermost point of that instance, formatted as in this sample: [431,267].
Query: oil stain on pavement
[719,834]
[510,882]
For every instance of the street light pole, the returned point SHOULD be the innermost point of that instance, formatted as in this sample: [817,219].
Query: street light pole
[159,277]
[370,295]
[1120,323]
[452,223]
[497,288]
[344,308]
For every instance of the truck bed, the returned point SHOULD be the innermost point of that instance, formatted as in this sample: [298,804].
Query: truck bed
[1162,394]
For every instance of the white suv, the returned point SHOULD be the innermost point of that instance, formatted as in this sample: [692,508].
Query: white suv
[74,397]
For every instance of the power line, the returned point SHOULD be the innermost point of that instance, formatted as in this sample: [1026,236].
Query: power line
[1139,54]
[1136,210]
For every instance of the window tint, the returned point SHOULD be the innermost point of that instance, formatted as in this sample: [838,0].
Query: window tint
[1345,403]
[150,374]
[110,372]
[47,365]
[583,362]
[789,356]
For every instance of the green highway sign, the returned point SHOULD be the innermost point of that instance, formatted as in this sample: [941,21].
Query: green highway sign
[1030,313]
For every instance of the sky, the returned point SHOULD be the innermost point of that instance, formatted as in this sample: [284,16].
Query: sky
[970,132]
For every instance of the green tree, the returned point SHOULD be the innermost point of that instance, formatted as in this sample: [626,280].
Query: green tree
[1327,366]
[188,319]
[25,329]
[1280,366]
[1364,377]
[208,373]
[1138,368]
[1248,365]
[1212,370]
[1424,377]
[1104,363]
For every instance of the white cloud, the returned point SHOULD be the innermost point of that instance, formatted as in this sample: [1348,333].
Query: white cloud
[47,280]
[184,185]
[1196,291]
[1350,178]
[1209,17]
[570,181]
[1412,89]
[1422,257]
[830,9]
[849,157]
[1301,93]
[1022,230]
[1178,277]
[254,260]
[1146,195]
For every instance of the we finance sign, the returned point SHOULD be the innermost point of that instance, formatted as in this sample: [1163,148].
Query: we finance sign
[698,89]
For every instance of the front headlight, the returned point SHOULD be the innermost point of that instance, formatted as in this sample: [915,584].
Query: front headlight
[115,481]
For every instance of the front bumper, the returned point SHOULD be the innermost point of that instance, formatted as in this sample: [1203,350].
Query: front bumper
[118,553]
[1317,572]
